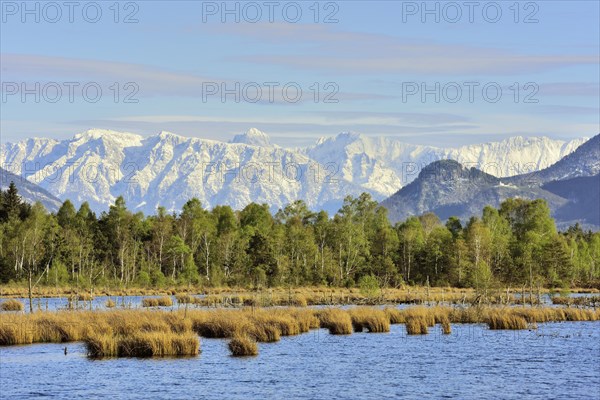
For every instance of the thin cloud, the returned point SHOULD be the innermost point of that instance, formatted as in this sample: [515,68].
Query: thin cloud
[153,81]
[324,49]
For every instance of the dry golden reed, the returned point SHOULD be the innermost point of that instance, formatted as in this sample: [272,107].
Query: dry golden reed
[164,301]
[371,319]
[337,321]
[416,325]
[158,332]
[11,305]
[143,344]
[241,345]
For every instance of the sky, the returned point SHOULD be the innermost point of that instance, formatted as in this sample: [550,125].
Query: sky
[436,73]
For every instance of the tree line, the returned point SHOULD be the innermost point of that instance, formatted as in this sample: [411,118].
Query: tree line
[516,245]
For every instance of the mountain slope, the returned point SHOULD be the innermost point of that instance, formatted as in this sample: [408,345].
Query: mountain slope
[583,194]
[447,188]
[584,161]
[385,164]
[30,192]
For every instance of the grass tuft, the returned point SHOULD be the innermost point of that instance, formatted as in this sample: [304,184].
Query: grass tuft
[337,321]
[11,305]
[164,301]
[446,327]
[499,320]
[372,319]
[241,346]
[416,325]
[143,344]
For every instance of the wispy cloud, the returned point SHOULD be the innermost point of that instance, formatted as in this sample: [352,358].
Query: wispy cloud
[323,48]
[153,81]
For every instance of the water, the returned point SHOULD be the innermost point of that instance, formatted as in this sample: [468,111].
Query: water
[98,303]
[558,360]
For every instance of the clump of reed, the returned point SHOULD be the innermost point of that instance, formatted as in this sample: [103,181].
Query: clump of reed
[416,325]
[446,327]
[337,321]
[110,303]
[242,346]
[164,301]
[298,301]
[502,320]
[15,332]
[218,324]
[583,301]
[306,318]
[143,344]
[394,315]
[11,305]
[84,296]
[188,299]
[427,315]
[372,319]
[265,333]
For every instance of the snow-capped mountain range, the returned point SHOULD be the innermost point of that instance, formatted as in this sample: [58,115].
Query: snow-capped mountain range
[571,188]
[167,169]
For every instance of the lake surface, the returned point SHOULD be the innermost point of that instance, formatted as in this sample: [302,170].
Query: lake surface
[558,360]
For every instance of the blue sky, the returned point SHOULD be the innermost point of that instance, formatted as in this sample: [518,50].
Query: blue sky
[371,60]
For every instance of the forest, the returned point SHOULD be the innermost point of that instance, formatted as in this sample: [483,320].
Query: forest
[516,245]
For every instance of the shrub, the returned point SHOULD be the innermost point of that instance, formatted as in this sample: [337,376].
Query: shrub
[369,286]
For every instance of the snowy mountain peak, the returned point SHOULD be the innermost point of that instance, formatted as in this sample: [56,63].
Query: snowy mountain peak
[170,136]
[348,136]
[253,137]
[124,138]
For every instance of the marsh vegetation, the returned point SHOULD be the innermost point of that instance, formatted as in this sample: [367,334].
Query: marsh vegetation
[152,333]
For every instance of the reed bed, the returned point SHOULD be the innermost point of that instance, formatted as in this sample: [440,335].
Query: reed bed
[188,299]
[337,321]
[143,344]
[499,320]
[416,325]
[110,304]
[241,346]
[583,301]
[155,333]
[371,319]
[11,305]
[164,301]
[84,297]
[446,327]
